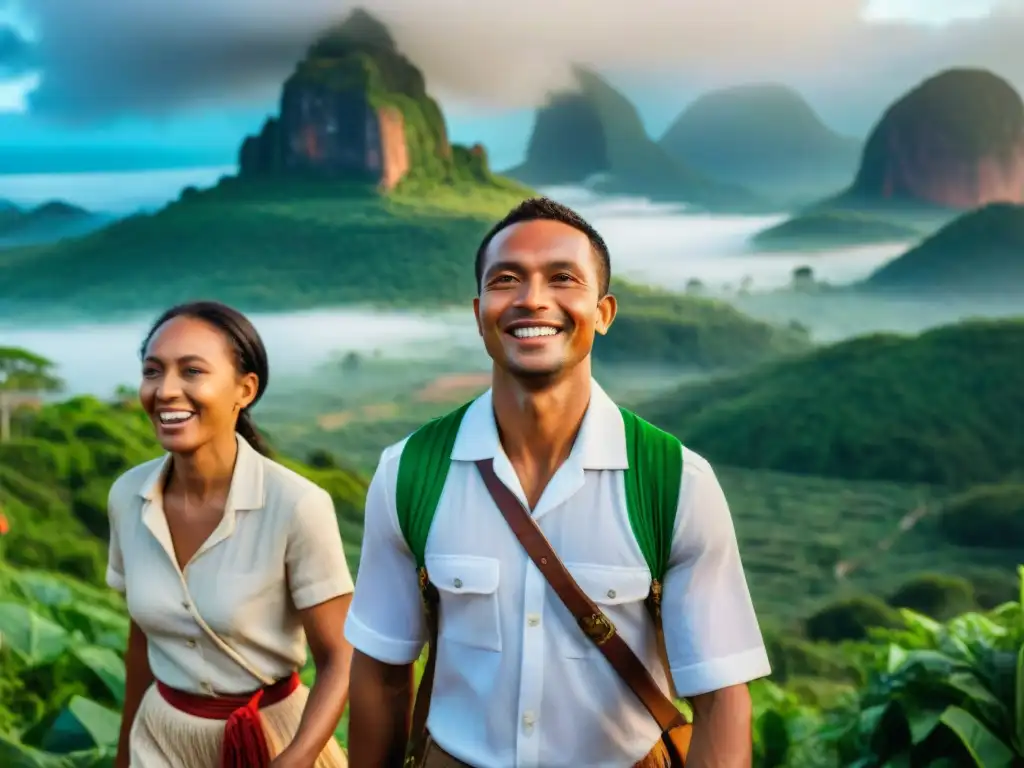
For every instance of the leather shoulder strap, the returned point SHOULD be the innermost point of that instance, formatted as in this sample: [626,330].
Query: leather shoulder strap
[592,621]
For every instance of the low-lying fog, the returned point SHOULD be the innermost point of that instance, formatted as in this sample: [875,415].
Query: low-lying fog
[654,243]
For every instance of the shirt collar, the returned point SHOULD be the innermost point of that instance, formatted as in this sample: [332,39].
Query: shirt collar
[246,491]
[600,444]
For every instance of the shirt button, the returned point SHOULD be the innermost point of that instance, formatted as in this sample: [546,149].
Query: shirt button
[611,593]
[529,718]
[191,643]
[458,583]
[533,619]
[206,687]
[184,604]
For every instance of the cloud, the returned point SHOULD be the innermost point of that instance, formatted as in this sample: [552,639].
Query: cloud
[102,58]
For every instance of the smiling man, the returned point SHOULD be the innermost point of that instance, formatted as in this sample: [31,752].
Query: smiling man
[515,678]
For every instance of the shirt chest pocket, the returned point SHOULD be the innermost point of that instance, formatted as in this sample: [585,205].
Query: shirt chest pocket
[468,590]
[619,593]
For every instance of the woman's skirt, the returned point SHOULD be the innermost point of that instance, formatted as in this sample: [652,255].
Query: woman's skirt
[165,737]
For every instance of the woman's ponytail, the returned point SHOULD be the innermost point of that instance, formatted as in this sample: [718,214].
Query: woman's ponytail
[246,427]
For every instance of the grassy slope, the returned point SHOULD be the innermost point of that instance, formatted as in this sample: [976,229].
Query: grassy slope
[945,407]
[653,325]
[273,245]
[980,252]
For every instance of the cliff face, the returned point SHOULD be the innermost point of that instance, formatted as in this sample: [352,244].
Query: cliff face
[355,108]
[956,140]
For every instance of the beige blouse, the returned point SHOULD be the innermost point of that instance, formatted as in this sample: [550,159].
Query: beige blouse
[276,551]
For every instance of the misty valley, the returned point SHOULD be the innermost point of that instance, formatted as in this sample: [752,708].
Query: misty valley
[835,323]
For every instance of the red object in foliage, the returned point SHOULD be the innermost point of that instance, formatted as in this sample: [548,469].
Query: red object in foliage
[4,525]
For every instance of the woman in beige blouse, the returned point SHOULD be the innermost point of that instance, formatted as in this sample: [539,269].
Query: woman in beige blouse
[230,563]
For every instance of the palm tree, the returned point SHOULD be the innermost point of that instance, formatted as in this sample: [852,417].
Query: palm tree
[22,375]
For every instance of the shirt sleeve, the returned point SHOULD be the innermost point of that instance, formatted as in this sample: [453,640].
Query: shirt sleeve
[711,631]
[386,618]
[115,558]
[315,558]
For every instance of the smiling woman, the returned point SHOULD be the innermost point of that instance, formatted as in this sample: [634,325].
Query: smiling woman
[215,540]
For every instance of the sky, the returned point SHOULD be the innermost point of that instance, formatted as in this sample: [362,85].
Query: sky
[110,81]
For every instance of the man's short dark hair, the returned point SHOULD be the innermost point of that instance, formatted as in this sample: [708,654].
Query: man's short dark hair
[545,209]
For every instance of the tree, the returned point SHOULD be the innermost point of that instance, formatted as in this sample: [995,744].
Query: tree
[22,375]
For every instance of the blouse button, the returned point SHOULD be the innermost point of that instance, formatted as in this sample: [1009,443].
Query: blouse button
[458,583]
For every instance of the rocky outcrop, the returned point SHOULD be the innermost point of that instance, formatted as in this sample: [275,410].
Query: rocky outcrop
[355,108]
[765,137]
[955,141]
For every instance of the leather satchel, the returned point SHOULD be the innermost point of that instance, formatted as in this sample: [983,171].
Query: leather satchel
[676,731]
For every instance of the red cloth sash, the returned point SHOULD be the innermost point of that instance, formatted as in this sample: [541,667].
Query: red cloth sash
[245,744]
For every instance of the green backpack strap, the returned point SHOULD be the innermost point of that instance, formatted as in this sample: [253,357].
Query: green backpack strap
[652,493]
[422,471]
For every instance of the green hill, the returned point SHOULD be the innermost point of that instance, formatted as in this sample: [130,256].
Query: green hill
[352,193]
[764,137]
[981,252]
[823,230]
[945,407]
[655,327]
[594,136]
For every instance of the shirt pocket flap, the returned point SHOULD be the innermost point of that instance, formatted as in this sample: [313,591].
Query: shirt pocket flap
[463,574]
[612,585]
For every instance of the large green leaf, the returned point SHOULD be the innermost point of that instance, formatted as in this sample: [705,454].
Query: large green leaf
[37,640]
[107,666]
[43,588]
[984,747]
[922,721]
[81,725]
[15,755]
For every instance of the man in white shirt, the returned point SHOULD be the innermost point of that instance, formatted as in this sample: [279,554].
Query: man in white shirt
[517,683]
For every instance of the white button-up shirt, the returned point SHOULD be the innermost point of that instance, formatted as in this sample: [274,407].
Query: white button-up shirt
[517,683]
[276,551]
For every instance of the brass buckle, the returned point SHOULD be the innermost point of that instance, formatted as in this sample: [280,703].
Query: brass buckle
[597,627]
[655,598]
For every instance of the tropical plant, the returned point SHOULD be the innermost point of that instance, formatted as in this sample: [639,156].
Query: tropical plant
[941,694]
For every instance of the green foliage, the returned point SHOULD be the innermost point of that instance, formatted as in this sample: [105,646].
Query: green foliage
[655,326]
[21,370]
[61,671]
[935,594]
[939,694]
[850,619]
[943,407]
[986,516]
